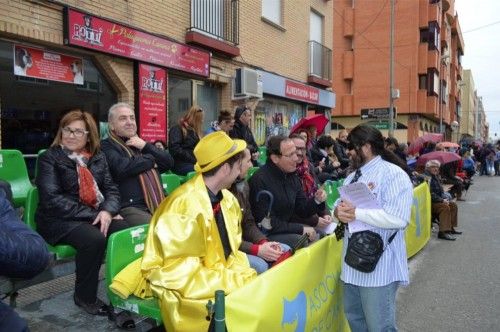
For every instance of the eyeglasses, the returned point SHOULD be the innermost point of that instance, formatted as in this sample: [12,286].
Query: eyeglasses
[79,133]
[301,148]
[290,155]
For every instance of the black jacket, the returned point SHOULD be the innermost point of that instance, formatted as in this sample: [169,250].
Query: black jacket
[60,209]
[340,149]
[182,147]
[436,189]
[240,131]
[125,170]
[289,198]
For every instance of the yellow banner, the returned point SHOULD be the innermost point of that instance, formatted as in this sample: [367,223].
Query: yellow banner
[301,294]
[418,231]
[304,293]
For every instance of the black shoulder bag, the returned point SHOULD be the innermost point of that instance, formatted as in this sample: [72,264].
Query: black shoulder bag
[364,250]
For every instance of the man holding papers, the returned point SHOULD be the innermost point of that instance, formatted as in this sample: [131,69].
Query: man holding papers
[377,197]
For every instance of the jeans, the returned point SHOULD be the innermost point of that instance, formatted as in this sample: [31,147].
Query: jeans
[10,320]
[371,308]
[259,264]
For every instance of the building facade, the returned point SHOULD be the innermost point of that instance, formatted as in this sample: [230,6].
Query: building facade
[428,47]
[161,57]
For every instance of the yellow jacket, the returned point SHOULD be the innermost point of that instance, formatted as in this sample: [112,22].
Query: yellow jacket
[184,258]
[130,281]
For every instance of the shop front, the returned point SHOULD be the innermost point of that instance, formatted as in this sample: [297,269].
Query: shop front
[100,63]
[284,103]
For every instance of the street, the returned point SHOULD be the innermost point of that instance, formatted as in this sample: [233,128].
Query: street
[454,285]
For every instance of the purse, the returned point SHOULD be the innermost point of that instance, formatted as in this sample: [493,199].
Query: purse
[364,250]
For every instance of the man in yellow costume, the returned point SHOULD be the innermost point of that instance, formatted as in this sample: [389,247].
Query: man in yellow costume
[192,246]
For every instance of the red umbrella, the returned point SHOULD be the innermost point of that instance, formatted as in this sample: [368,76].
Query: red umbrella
[448,145]
[442,156]
[318,120]
[419,142]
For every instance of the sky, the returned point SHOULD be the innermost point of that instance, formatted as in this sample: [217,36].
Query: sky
[480,24]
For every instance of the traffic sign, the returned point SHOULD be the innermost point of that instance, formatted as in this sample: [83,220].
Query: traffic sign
[376,113]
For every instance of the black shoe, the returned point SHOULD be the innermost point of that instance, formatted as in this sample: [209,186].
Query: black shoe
[453,231]
[445,236]
[98,308]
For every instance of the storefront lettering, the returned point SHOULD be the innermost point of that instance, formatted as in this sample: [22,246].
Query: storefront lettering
[302,92]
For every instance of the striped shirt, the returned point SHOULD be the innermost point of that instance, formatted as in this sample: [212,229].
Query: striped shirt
[394,192]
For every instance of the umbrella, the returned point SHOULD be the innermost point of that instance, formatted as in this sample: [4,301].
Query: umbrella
[442,156]
[419,142]
[448,145]
[318,120]
[265,223]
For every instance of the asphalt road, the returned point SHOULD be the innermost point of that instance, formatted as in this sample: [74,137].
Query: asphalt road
[454,286]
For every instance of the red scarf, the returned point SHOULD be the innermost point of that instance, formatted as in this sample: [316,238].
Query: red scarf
[308,184]
[88,191]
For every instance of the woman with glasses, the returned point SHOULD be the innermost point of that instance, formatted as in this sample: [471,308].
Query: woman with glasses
[79,202]
[183,137]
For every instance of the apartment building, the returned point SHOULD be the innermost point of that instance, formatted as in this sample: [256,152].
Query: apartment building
[428,48]
[161,57]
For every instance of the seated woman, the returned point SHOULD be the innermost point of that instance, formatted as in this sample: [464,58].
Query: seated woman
[79,202]
[326,167]
[183,137]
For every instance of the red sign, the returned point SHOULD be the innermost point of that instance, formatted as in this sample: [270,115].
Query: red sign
[152,101]
[98,34]
[302,92]
[47,65]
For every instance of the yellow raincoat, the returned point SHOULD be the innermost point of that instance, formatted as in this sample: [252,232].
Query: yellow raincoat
[184,258]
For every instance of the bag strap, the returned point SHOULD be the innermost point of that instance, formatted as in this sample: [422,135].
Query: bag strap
[391,238]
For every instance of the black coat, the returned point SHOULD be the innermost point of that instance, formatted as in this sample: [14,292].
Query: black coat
[340,149]
[125,170]
[240,131]
[289,198]
[181,147]
[60,209]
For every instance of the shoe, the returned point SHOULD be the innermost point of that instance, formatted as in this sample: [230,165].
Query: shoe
[453,231]
[445,236]
[461,199]
[98,308]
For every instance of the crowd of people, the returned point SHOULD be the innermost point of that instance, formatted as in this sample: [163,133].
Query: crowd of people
[218,230]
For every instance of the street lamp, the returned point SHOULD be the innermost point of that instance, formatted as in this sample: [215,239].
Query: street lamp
[454,127]
[444,62]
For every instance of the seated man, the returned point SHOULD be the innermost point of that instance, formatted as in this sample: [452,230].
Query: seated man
[260,251]
[309,186]
[193,240]
[441,203]
[23,254]
[278,176]
[135,166]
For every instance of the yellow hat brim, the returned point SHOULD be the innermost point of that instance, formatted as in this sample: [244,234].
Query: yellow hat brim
[240,145]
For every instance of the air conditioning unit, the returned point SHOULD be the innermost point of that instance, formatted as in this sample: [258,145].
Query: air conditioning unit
[247,83]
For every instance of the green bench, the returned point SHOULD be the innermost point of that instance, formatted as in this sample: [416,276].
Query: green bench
[123,248]
[13,170]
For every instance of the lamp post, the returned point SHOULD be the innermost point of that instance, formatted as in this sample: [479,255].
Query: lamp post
[444,63]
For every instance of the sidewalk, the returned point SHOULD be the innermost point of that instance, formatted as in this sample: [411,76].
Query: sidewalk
[49,307]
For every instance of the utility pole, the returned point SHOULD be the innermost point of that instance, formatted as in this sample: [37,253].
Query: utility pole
[391,74]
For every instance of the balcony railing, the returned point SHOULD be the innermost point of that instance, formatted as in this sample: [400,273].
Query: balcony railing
[218,19]
[320,61]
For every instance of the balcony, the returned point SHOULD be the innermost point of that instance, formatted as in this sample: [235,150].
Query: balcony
[320,64]
[215,25]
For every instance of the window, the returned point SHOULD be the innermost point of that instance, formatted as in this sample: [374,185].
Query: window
[422,82]
[424,35]
[433,39]
[433,82]
[180,92]
[271,10]
[444,92]
[316,27]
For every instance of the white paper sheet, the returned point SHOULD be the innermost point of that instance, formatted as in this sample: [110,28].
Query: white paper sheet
[359,195]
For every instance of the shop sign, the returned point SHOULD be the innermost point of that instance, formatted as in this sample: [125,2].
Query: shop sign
[47,65]
[84,30]
[294,90]
[152,90]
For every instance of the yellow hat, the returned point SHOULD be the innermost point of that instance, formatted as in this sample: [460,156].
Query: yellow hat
[215,148]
